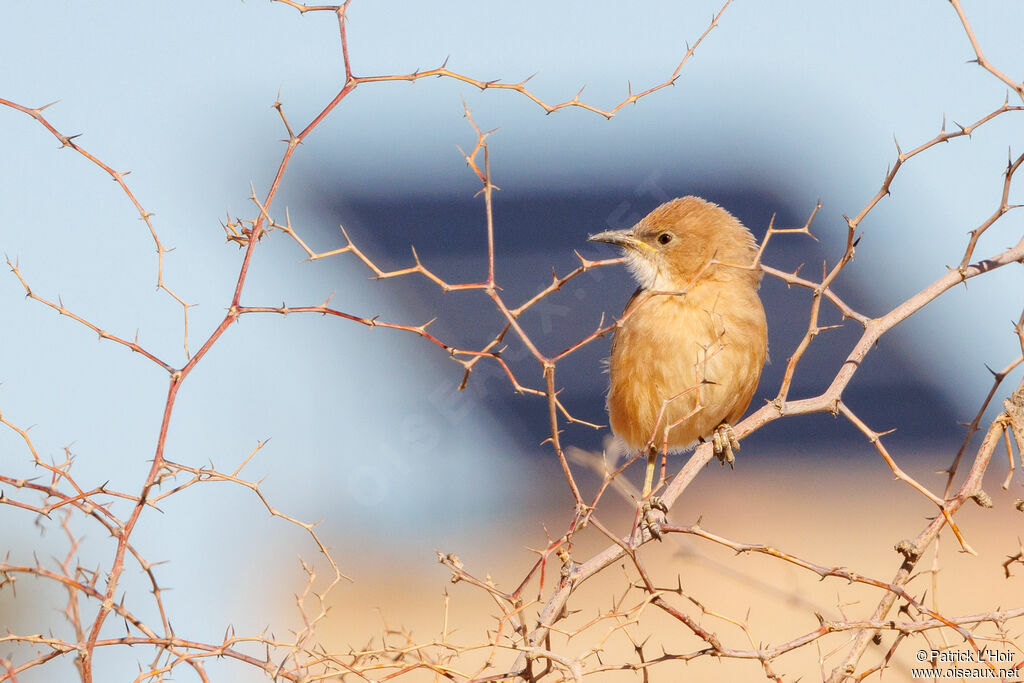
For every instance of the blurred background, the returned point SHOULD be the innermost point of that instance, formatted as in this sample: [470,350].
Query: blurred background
[782,105]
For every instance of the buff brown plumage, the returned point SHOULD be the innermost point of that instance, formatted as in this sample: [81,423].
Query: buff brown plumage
[688,350]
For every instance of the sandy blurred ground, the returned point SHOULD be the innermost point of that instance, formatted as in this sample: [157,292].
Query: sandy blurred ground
[839,507]
[837,510]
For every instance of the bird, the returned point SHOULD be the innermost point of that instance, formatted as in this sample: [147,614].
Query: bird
[688,351]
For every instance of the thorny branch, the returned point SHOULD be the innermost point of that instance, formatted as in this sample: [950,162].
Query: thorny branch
[96,503]
[521,644]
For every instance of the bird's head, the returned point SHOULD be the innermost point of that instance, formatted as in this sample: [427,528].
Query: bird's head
[673,245]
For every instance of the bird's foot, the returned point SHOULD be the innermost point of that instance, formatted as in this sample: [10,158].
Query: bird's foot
[725,443]
[650,522]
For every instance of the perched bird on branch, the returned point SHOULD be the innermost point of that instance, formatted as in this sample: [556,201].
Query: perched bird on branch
[689,348]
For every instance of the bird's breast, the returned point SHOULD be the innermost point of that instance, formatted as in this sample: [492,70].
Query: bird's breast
[685,363]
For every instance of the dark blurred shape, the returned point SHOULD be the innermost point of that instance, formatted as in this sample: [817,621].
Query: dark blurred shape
[536,232]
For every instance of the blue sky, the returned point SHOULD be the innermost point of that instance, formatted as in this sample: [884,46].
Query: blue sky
[799,98]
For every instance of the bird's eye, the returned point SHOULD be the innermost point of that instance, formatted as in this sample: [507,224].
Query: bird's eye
[664,238]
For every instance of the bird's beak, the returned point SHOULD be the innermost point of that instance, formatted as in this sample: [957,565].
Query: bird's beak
[620,238]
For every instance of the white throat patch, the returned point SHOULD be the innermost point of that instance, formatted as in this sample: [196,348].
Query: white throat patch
[647,273]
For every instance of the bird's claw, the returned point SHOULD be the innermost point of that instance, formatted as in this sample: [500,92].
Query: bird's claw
[655,503]
[650,523]
[725,443]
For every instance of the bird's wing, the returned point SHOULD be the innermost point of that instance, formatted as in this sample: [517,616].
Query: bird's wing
[629,303]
